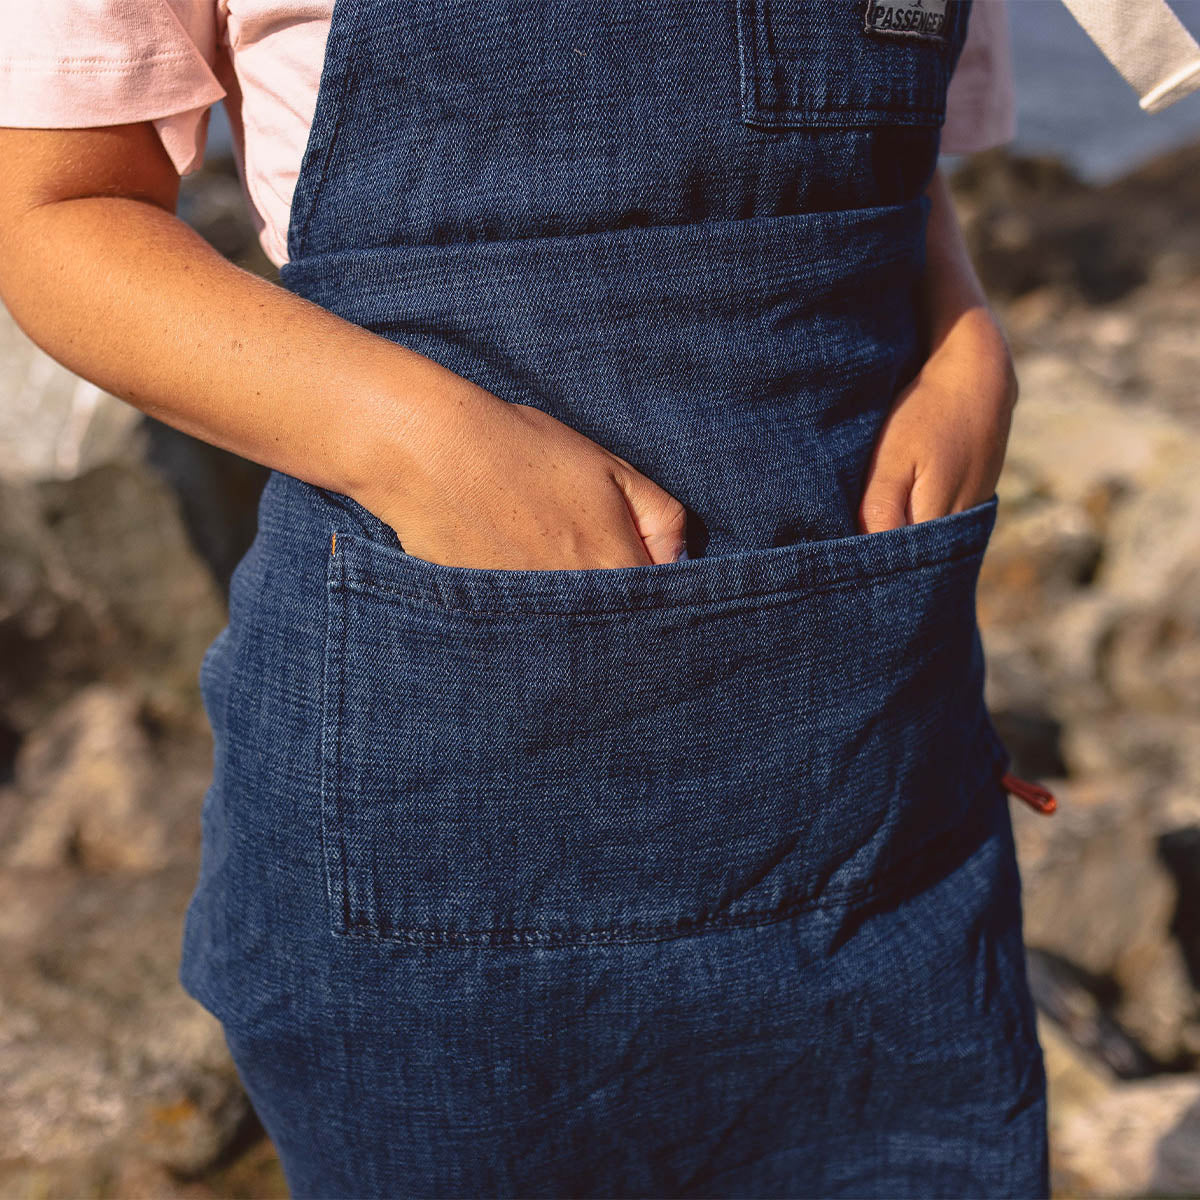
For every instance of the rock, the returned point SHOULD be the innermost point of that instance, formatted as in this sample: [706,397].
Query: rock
[1032,738]
[1097,895]
[1143,751]
[1159,1007]
[218,495]
[1031,223]
[1038,553]
[105,586]
[1075,1079]
[1179,849]
[54,425]
[119,524]
[1154,535]
[104,1061]
[1093,888]
[140,1177]
[85,781]
[255,1171]
[1139,1139]
[1073,639]
[1152,566]
[1072,433]
[1151,660]
[1089,594]
[190,1107]
[1076,1004]
[1075,1083]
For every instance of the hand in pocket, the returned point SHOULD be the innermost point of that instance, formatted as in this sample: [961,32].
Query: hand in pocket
[503,485]
[943,443]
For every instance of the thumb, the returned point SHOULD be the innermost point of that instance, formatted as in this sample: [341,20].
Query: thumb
[884,503]
[660,519]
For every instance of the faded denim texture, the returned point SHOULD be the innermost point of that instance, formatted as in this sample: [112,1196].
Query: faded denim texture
[692,879]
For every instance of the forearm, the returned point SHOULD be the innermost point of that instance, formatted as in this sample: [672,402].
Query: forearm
[125,294]
[952,296]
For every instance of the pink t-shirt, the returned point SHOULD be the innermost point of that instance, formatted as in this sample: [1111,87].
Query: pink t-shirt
[78,63]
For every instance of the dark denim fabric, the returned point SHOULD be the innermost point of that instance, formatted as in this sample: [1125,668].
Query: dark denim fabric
[694,879]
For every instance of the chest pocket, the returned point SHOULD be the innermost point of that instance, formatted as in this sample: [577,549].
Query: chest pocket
[846,63]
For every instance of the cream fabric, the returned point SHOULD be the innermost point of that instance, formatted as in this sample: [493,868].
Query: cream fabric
[1147,43]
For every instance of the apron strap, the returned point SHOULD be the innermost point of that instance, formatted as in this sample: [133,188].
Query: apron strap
[1147,44]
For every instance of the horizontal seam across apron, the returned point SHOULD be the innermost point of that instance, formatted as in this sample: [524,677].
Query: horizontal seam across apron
[879,887]
[364,585]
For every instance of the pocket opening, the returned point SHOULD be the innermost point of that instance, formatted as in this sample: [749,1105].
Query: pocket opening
[365,565]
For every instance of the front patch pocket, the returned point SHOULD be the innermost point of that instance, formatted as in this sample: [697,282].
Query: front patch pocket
[579,757]
[846,63]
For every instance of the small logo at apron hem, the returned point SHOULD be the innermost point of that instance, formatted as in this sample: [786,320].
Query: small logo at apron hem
[907,18]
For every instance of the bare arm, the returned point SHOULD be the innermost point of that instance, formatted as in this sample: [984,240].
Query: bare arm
[942,447]
[98,270]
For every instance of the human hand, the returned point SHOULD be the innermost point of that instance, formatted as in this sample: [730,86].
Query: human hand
[504,485]
[942,446]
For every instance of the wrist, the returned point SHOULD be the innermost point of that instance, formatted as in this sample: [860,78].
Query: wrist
[404,425]
[951,292]
[973,348]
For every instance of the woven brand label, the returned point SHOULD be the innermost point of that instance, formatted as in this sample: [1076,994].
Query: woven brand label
[907,18]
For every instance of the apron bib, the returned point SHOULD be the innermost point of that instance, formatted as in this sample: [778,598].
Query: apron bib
[683,879]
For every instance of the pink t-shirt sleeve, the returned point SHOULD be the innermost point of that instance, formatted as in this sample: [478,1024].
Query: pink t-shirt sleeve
[980,103]
[112,62]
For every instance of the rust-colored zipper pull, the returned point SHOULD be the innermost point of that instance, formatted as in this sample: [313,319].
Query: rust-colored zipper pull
[1036,796]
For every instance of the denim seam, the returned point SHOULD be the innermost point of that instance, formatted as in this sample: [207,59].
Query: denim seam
[312,194]
[866,117]
[320,261]
[330,810]
[755,113]
[359,584]
[752,36]
[878,887]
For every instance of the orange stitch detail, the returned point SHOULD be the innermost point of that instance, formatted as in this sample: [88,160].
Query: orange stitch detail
[333,548]
[1036,796]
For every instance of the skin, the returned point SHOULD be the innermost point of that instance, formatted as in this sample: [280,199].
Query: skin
[943,443]
[99,272]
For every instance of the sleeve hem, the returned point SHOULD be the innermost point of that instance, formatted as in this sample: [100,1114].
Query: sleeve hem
[60,98]
[154,89]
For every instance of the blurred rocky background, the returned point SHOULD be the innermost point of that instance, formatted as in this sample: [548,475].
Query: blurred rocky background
[1089,604]
[117,539]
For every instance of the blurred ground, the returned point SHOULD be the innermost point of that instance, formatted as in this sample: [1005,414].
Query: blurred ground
[116,1084]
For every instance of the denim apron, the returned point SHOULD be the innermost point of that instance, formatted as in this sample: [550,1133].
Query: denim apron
[684,879]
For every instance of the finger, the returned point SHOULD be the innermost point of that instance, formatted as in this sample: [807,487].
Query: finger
[659,518]
[935,495]
[884,503]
